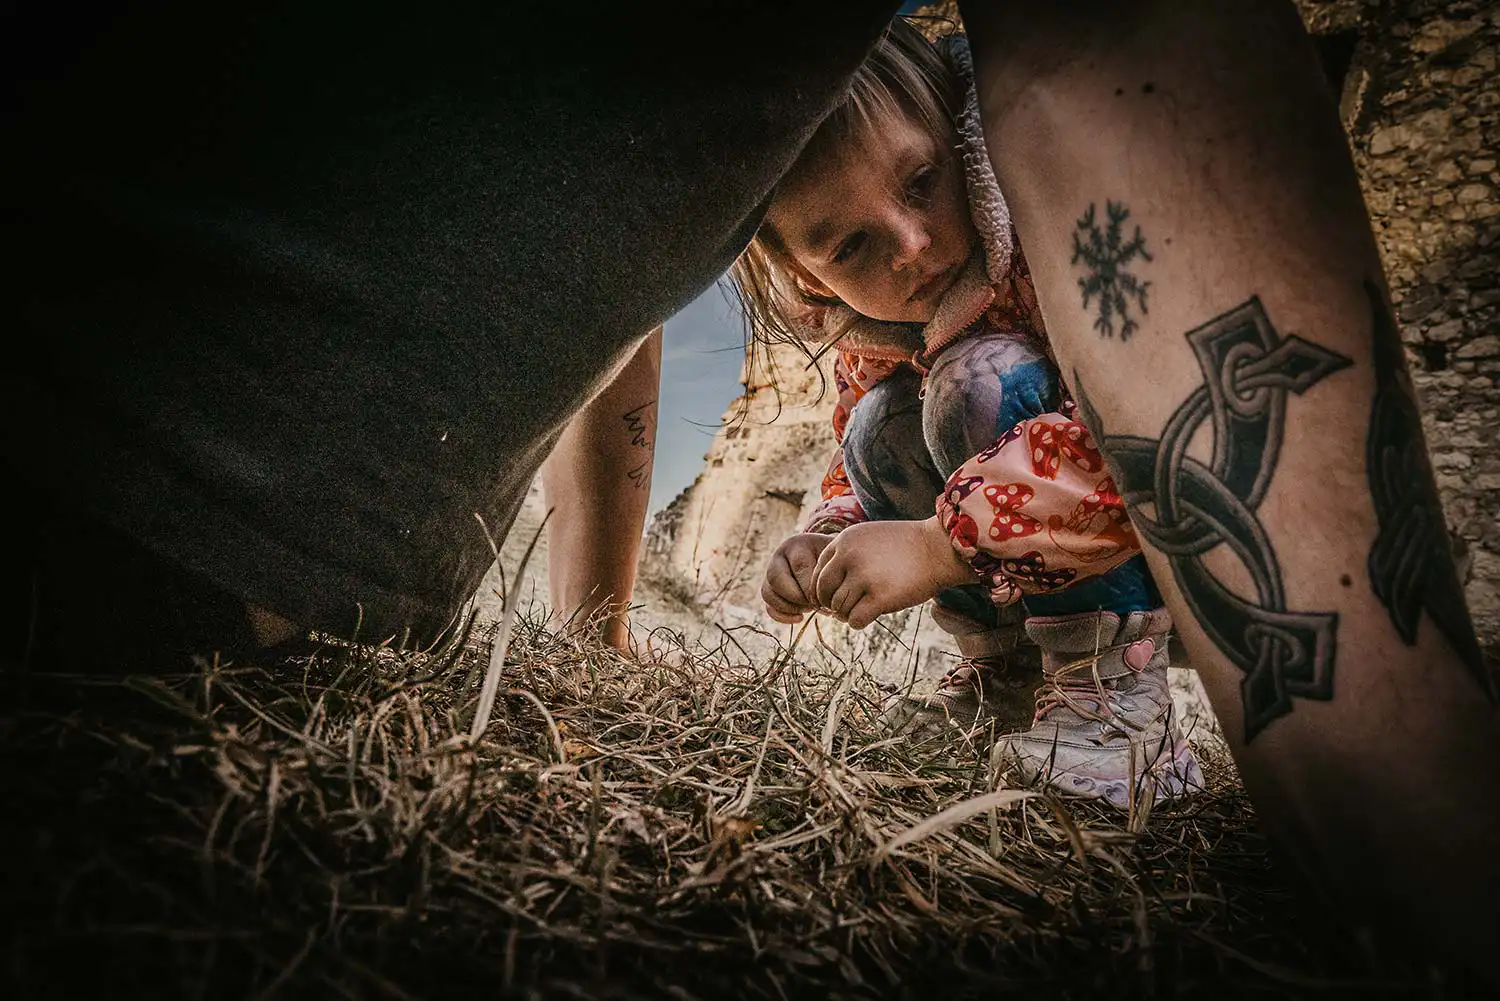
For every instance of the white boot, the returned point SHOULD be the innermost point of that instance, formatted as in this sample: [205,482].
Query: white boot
[1104,726]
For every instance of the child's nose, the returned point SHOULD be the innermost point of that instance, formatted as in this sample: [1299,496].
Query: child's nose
[911,238]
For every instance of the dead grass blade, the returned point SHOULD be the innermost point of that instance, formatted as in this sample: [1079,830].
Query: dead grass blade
[955,814]
[728,827]
[502,638]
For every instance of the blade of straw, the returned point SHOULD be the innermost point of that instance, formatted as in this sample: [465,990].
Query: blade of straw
[502,638]
[955,814]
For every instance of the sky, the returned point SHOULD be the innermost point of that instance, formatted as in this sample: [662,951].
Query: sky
[702,348]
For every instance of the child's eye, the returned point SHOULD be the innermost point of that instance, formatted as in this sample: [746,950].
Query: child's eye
[921,184]
[848,248]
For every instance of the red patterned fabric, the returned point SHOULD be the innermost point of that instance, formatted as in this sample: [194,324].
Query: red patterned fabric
[1034,512]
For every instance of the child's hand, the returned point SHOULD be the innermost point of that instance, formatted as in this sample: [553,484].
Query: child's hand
[884,566]
[788,588]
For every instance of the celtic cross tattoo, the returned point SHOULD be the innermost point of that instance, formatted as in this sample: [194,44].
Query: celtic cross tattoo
[1186,508]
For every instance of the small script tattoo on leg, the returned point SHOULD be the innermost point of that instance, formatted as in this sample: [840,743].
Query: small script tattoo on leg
[1106,254]
[1411,565]
[639,423]
[1186,508]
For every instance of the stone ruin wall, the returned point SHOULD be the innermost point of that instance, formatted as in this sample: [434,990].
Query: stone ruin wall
[761,478]
[1421,102]
[1420,96]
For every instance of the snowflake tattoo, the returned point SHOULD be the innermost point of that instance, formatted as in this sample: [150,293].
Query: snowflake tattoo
[1106,255]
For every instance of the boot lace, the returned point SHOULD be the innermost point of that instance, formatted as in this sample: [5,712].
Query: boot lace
[964,674]
[1077,688]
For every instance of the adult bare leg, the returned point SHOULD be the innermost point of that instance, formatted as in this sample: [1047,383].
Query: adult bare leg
[1208,275]
[597,482]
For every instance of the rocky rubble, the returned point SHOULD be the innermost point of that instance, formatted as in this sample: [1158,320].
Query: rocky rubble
[761,478]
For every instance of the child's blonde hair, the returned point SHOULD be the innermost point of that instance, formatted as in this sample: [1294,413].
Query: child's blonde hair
[904,76]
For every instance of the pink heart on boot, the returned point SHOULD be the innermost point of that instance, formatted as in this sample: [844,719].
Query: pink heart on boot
[1139,654]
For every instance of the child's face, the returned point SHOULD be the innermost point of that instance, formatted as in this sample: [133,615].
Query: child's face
[885,227]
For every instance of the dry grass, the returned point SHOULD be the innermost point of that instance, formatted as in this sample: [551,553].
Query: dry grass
[714,830]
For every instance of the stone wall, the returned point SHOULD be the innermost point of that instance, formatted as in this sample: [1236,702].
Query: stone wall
[1421,102]
[761,477]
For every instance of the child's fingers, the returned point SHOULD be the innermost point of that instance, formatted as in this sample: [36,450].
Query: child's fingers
[781,609]
[831,574]
[825,556]
[849,594]
[782,578]
[864,612]
[802,564]
[840,601]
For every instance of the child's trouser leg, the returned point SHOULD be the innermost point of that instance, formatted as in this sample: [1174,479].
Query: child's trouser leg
[895,479]
[1127,588]
[885,455]
[893,475]
[977,390]
[980,388]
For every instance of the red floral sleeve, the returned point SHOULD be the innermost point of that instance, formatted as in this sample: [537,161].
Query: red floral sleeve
[1036,511]
[839,508]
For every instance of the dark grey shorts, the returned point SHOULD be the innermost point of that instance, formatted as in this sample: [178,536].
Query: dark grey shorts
[309,288]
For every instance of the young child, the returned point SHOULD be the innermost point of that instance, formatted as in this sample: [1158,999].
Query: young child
[890,243]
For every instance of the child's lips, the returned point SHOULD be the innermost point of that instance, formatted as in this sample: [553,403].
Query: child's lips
[934,285]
